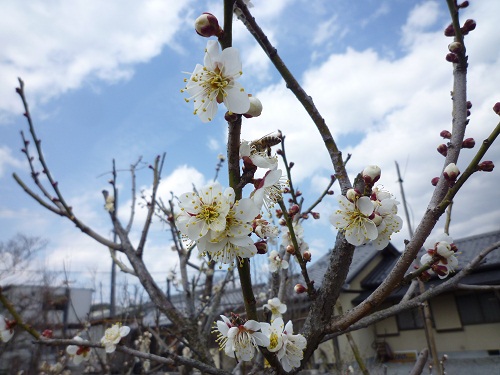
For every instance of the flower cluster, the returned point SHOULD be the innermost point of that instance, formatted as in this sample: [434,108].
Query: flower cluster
[6,328]
[365,218]
[440,256]
[239,339]
[219,224]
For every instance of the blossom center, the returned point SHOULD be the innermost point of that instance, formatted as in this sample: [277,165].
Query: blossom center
[209,213]
[273,341]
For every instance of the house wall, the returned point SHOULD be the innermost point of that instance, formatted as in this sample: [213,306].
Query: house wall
[449,333]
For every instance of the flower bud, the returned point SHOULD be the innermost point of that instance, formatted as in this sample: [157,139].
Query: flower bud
[279,213]
[496,108]
[486,166]
[291,164]
[352,195]
[315,215]
[207,25]
[48,333]
[455,47]
[464,4]
[290,249]
[304,216]
[294,209]
[307,256]
[452,57]
[443,149]
[299,288]
[330,192]
[435,181]
[468,143]
[371,174]
[445,134]
[468,26]
[449,31]
[261,247]
[255,107]
[469,104]
[451,172]
[282,222]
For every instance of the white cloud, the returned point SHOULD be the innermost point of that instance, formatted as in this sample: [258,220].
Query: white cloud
[58,46]
[7,160]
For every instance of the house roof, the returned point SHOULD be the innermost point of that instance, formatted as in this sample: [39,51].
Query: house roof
[468,248]
[363,255]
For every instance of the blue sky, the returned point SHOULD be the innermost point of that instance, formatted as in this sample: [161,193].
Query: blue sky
[103,82]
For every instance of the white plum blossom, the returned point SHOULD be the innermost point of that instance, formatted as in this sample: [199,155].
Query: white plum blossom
[240,340]
[276,307]
[214,82]
[371,174]
[255,109]
[113,335]
[259,158]
[269,189]
[6,328]
[263,229]
[354,219]
[276,263]
[204,211]
[292,350]
[234,241]
[275,333]
[386,220]
[440,254]
[79,353]
[110,203]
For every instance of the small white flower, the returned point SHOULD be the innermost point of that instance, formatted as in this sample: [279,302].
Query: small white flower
[276,307]
[269,189]
[110,203]
[240,341]
[263,229]
[79,353]
[275,333]
[292,351]
[215,82]
[259,158]
[6,328]
[276,263]
[442,248]
[353,219]
[113,335]
[371,174]
[204,211]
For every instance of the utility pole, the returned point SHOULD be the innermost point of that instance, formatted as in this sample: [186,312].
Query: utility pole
[426,311]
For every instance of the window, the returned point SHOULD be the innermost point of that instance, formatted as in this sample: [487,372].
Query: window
[478,308]
[410,319]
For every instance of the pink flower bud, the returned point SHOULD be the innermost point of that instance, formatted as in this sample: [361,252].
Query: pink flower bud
[435,181]
[486,166]
[299,288]
[464,4]
[315,215]
[455,47]
[451,172]
[290,249]
[468,26]
[449,31]
[371,174]
[307,256]
[445,134]
[468,143]
[452,57]
[261,247]
[496,108]
[443,149]
[294,209]
[279,213]
[207,25]
[48,333]
[255,109]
